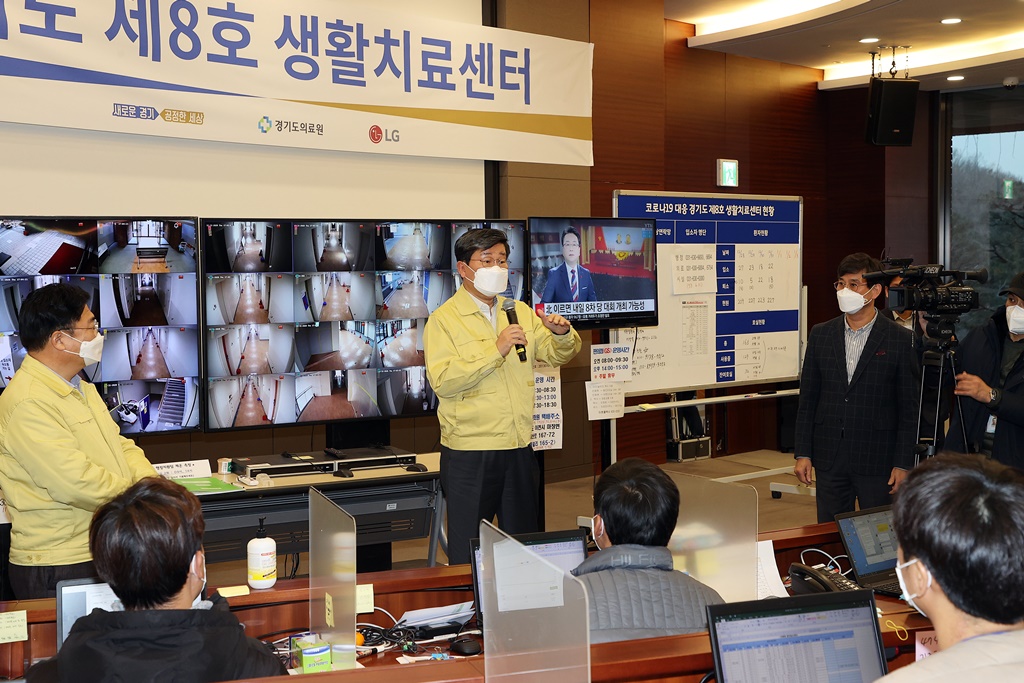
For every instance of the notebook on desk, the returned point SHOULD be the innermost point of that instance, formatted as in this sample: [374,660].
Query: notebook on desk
[802,639]
[564,549]
[78,597]
[870,543]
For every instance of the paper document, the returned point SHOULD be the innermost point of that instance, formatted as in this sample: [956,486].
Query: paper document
[769,583]
[460,613]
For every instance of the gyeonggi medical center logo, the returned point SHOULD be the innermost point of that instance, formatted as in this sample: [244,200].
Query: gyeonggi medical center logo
[267,124]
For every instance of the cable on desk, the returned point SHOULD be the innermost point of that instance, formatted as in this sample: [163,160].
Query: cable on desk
[831,560]
[709,676]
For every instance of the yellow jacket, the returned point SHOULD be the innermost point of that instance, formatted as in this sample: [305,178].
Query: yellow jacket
[485,402]
[61,457]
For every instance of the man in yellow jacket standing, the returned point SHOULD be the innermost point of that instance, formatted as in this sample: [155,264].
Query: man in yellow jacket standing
[61,454]
[480,365]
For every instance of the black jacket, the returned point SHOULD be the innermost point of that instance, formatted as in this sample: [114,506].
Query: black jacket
[872,420]
[981,354]
[158,646]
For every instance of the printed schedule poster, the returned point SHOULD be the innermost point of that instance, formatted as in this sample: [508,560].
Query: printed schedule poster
[729,281]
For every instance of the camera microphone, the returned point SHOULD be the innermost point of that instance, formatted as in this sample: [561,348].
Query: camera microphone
[509,306]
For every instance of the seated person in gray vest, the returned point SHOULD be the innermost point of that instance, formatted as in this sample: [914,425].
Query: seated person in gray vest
[147,545]
[631,586]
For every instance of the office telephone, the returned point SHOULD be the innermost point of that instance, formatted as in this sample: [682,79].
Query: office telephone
[818,579]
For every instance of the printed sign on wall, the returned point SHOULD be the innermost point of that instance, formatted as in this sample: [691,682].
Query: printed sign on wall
[322,74]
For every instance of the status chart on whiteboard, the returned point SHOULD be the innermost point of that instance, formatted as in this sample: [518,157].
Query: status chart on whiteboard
[729,284]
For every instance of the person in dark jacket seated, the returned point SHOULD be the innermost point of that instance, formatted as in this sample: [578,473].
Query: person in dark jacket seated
[632,588]
[147,545]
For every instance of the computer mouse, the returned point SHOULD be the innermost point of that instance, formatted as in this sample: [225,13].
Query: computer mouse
[465,647]
[416,467]
[343,472]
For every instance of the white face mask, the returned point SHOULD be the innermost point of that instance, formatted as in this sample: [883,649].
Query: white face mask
[593,531]
[199,598]
[1015,319]
[850,301]
[903,586]
[91,351]
[490,281]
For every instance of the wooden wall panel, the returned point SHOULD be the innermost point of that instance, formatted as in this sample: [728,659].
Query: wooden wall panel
[629,98]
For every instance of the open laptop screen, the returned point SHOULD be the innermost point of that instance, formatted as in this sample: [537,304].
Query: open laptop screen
[869,538]
[78,597]
[822,638]
[564,549]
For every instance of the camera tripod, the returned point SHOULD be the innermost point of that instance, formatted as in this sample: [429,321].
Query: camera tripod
[938,375]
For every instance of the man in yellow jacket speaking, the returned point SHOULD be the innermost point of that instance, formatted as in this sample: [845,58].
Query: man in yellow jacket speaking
[61,454]
[479,349]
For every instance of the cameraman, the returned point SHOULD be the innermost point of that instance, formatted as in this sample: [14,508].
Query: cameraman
[993,382]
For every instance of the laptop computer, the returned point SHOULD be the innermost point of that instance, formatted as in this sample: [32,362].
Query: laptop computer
[870,543]
[802,639]
[564,549]
[78,597]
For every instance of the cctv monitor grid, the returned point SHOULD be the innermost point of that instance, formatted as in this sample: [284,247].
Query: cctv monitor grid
[140,277]
[314,321]
[306,321]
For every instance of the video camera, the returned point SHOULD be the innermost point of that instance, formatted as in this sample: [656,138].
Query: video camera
[940,295]
[923,288]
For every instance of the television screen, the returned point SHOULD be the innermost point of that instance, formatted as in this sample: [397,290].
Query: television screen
[140,275]
[337,335]
[598,273]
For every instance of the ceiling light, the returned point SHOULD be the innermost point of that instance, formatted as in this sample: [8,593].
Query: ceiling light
[951,20]
[954,78]
[869,40]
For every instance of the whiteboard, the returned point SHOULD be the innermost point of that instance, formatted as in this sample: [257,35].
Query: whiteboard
[729,291]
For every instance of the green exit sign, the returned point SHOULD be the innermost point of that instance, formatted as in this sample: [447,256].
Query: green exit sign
[728,173]
[1007,189]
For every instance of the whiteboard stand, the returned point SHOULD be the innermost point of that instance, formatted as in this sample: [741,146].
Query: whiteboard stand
[645,407]
[799,489]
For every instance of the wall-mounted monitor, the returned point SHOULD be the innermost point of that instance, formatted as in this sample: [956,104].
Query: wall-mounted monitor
[140,274]
[598,273]
[335,335]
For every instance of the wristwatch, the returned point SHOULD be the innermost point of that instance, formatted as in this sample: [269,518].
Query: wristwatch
[993,398]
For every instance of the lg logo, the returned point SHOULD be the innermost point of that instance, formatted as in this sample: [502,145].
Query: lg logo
[377,135]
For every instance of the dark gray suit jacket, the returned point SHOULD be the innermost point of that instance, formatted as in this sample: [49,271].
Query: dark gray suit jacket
[871,420]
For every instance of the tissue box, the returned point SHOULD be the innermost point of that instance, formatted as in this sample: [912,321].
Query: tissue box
[310,654]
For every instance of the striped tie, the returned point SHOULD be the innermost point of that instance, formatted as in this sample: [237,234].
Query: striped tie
[572,285]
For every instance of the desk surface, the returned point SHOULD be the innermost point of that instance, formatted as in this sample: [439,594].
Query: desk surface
[286,607]
[359,477]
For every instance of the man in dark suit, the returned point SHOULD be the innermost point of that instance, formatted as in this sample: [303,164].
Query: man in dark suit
[569,281]
[857,417]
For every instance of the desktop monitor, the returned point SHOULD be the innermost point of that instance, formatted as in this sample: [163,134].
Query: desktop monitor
[821,638]
[598,273]
[564,549]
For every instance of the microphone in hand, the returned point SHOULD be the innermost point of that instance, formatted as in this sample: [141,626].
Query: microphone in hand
[509,306]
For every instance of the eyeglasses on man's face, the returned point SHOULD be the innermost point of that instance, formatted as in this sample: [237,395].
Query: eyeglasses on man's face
[853,284]
[94,326]
[488,262]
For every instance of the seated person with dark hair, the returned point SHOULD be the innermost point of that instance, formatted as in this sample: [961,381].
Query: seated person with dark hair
[147,545]
[959,520]
[632,588]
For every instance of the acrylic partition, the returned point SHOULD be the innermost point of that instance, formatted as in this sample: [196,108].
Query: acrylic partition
[536,624]
[715,540]
[332,578]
